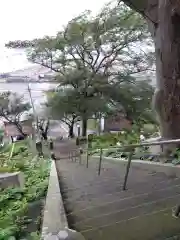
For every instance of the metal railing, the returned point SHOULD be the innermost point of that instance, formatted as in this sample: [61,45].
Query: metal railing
[84,159]
[75,154]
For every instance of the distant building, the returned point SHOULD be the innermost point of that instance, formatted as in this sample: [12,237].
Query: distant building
[116,123]
[4,75]
[34,72]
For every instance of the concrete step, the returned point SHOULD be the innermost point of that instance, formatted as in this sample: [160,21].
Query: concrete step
[106,186]
[64,147]
[111,172]
[97,203]
[125,209]
[155,225]
[162,189]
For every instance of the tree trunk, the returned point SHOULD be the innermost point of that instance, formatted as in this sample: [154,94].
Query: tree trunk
[71,130]
[167,94]
[165,21]
[99,126]
[19,127]
[84,126]
[46,129]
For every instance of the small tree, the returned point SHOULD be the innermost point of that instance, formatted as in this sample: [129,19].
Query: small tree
[43,125]
[61,105]
[87,100]
[12,107]
[135,99]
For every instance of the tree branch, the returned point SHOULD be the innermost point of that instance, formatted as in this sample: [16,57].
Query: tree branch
[147,8]
[3,114]
[66,121]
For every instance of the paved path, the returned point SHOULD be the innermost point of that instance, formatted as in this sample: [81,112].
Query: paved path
[97,206]
[63,147]
[58,129]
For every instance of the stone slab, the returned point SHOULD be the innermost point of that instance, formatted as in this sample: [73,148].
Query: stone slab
[15,179]
[54,218]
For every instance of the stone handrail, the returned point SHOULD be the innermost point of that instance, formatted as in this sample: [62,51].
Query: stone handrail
[54,218]
[55,224]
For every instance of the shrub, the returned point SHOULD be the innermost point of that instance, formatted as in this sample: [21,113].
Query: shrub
[20,149]
[15,202]
[111,139]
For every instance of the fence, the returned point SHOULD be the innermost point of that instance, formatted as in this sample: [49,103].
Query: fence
[74,155]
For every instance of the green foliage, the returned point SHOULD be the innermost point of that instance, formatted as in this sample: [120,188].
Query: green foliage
[7,169]
[93,57]
[175,154]
[20,149]
[110,147]
[6,148]
[35,236]
[15,202]
[62,105]
[111,139]
[12,106]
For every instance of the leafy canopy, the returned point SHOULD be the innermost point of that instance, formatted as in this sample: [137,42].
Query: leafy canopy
[95,58]
[12,106]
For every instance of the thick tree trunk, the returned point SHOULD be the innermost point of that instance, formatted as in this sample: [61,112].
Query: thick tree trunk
[164,19]
[84,126]
[167,94]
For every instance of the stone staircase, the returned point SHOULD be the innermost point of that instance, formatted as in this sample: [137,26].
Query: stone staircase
[98,208]
[63,147]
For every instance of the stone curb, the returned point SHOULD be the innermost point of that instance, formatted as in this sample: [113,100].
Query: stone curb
[54,218]
[167,168]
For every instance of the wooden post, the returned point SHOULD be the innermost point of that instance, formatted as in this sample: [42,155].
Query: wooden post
[100,161]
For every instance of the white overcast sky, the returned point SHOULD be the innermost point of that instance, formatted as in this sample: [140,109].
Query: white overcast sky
[28,19]
[24,19]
